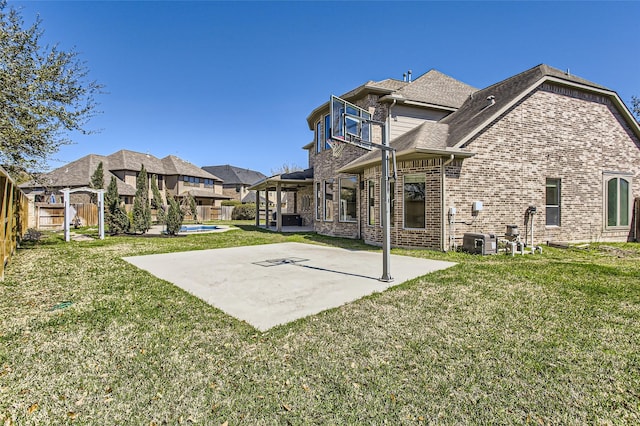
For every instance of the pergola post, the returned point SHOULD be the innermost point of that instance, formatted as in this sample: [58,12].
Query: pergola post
[257,207]
[266,208]
[101,213]
[67,213]
[278,207]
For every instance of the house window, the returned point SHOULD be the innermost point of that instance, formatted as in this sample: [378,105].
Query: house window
[372,203]
[319,136]
[318,201]
[553,202]
[392,202]
[617,199]
[327,131]
[348,199]
[160,182]
[328,200]
[185,178]
[414,201]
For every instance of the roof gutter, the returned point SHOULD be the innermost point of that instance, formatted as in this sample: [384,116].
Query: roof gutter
[422,151]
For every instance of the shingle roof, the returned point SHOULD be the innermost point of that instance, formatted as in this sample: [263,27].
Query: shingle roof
[232,175]
[78,173]
[131,160]
[475,111]
[437,88]
[177,166]
[204,193]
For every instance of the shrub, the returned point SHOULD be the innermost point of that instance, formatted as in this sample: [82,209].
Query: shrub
[244,212]
[174,217]
[232,203]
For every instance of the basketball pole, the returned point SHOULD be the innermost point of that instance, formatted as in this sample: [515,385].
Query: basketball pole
[386,206]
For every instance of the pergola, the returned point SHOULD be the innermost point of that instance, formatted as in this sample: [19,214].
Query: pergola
[286,182]
[67,209]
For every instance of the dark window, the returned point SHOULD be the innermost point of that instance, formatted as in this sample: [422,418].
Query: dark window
[414,201]
[553,202]
[618,202]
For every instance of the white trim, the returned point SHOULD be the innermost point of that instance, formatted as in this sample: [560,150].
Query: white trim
[606,177]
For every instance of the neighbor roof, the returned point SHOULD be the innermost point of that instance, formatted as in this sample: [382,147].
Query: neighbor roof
[232,175]
[79,172]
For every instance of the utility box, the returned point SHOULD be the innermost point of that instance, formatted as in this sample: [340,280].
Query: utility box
[480,243]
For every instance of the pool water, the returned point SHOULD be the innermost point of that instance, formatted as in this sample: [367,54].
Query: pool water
[198,228]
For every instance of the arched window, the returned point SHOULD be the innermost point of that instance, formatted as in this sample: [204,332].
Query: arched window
[617,199]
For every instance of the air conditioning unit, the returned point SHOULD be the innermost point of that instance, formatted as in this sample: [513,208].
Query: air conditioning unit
[480,243]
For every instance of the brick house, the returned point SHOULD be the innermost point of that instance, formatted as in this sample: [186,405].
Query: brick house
[542,138]
[175,176]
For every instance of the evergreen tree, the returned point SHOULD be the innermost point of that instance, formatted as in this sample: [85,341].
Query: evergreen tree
[174,217]
[141,207]
[97,182]
[156,201]
[115,215]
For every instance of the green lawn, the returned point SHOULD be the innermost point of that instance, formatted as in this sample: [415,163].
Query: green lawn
[544,339]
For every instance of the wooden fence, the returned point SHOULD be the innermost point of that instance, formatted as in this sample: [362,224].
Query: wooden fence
[13,217]
[51,216]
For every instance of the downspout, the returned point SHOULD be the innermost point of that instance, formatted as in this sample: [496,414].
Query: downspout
[443,214]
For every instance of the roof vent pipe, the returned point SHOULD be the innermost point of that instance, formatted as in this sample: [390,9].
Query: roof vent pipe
[491,99]
[409,75]
[404,76]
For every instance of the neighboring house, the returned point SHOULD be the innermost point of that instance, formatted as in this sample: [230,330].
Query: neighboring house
[542,138]
[175,177]
[236,181]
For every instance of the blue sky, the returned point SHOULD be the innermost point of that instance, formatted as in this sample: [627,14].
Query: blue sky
[233,82]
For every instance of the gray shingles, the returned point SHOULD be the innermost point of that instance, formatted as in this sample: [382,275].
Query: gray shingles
[437,88]
[232,175]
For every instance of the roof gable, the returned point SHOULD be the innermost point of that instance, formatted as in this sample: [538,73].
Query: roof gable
[486,105]
[436,88]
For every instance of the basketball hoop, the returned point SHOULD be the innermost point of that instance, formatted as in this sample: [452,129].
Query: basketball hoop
[337,147]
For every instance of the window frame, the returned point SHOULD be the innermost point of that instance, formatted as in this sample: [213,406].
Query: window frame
[553,183]
[392,203]
[618,177]
[327,131]
[319,201]
[343,218]
[327,201]
[404,201]
[319,139]
[371,202]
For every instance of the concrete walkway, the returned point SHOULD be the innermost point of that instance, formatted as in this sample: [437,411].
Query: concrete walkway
[273,284]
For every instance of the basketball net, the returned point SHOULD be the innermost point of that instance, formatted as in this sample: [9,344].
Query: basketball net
[336,147]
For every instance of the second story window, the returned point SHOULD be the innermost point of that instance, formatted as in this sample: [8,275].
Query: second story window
[327,131]
[319,136]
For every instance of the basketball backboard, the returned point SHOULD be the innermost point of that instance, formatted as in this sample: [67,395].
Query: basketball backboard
[350,123]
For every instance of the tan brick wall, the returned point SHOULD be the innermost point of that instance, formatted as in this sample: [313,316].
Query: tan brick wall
[553,133]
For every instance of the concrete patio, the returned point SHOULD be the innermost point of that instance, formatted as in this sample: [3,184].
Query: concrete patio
[273,284]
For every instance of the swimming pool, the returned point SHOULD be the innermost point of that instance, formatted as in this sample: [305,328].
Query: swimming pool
[198,228]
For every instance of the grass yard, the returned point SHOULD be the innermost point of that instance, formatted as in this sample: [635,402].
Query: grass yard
[544,339]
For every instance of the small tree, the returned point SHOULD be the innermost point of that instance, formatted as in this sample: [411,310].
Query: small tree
[115,215]
[141,208]
[156,200]
[174,217]
[635,106]
[97,181]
